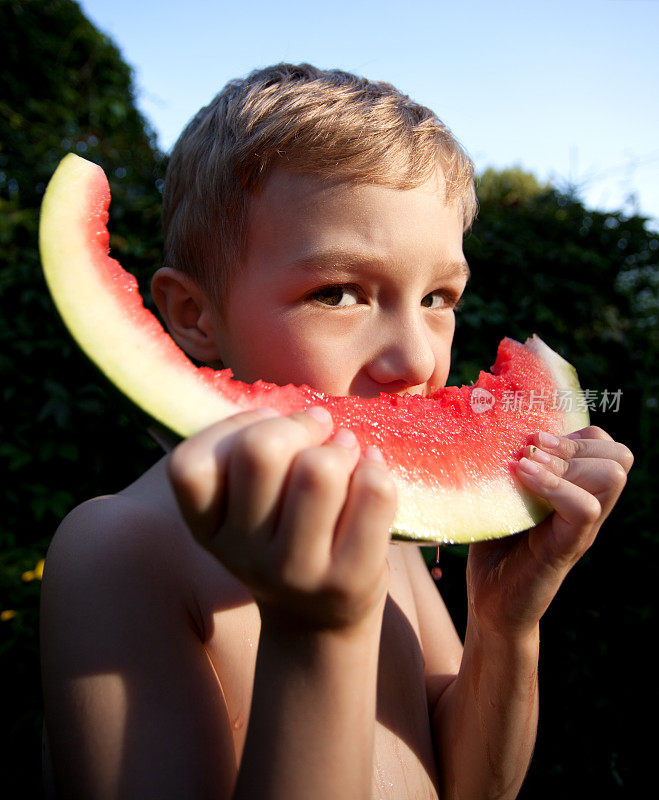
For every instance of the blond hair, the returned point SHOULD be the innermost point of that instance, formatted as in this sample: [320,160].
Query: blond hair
[307,120]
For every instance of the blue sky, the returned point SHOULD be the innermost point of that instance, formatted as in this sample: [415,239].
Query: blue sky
[568,89]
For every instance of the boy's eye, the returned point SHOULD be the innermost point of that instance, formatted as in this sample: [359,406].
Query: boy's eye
[435,300]
[336,296]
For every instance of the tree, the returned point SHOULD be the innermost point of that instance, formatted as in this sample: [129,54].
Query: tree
[65,88]
[509,186]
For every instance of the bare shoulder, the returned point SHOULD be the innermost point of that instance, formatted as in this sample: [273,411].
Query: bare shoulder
[123,645]
[134,545]
[135,534]
[116,574]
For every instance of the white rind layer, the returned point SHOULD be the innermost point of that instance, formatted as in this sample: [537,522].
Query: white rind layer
[453,516]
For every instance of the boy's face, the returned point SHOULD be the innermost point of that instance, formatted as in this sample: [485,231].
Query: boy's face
[347,288]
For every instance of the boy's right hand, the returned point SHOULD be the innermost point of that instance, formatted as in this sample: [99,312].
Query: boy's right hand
[302,520]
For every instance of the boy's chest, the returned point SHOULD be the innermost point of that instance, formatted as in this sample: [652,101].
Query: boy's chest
[403,760]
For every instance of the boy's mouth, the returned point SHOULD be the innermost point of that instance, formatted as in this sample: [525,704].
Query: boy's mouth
[422,391]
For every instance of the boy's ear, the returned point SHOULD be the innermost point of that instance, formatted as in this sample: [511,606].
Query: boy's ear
[187,312]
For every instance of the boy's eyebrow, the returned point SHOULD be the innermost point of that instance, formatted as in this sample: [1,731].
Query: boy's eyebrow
[341,260]
[461,267]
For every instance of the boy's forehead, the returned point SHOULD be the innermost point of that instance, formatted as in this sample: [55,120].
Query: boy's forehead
[301,221]
[288,186]
[331,212]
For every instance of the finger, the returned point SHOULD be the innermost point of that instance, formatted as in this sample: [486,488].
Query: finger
[574,504]
[553,463]
[258,464]
[562,539]
[602,477]
[314,498]
[568,448]
[362,536]
[590,432]
[196,467]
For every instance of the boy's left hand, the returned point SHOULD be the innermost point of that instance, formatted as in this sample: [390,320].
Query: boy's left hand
[511,581]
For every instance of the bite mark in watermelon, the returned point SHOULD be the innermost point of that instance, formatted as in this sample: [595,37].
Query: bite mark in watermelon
[451,453]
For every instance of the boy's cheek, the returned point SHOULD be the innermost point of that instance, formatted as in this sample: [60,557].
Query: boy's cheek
[282,360]
[333,352]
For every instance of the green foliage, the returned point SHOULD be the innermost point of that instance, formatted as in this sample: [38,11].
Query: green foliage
[509,186]
[66,435]
[19,671]
[587,282]
[65,88]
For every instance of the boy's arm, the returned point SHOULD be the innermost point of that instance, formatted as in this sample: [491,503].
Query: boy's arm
[303,522]
[133,707]
[485,720]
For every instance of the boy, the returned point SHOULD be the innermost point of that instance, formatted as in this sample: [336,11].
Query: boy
[236,623]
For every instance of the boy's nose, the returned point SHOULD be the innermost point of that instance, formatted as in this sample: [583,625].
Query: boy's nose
[404,357]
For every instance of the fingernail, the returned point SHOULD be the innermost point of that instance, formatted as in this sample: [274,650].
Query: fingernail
[345,438]
[528,466]
[319,413]
[540,455]
[575,435]
[548,440]
[374,454]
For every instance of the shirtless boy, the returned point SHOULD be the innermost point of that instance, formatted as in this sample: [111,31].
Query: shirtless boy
[236,623]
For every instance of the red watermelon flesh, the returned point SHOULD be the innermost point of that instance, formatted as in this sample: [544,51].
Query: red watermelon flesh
[451,457]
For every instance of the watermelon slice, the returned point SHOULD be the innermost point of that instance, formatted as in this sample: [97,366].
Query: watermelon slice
[451,453]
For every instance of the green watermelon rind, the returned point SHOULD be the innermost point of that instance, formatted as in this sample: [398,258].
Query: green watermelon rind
[182,402]
[155,374]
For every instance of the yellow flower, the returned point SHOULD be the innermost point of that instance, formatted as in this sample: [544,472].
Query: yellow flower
[5,616]
[35,574]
